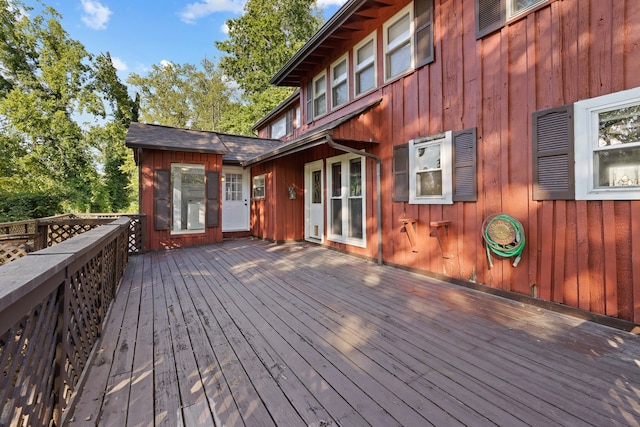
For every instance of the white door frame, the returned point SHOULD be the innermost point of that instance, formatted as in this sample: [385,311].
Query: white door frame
[313,215]
[237,212]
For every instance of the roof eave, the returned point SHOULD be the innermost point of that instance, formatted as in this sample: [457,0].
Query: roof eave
[337,20]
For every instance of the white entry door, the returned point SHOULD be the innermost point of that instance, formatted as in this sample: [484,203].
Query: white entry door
[314,201]
[235,199]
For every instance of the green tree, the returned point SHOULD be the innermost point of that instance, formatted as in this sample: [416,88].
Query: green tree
[47,82]
[185,96]
[260,42]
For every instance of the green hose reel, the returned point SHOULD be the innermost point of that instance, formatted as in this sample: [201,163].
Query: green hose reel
[504,236]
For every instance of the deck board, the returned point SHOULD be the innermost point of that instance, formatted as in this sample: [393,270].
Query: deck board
[251,333]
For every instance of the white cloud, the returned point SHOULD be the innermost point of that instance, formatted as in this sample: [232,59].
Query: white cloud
[95,15]
[224,28]
[118,64]
[325,3]
[194,11]
[165,63]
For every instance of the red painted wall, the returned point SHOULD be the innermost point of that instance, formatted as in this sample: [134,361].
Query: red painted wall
[578,253]
[157,159]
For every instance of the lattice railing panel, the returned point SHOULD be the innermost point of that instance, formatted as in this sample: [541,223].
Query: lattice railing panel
[61,232]
[11,251]
[84,305]
[28,351]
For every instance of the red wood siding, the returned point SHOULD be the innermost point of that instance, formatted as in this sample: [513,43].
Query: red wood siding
[577,253]
[156,159]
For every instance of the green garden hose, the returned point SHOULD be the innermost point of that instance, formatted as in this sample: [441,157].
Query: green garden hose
[504,236]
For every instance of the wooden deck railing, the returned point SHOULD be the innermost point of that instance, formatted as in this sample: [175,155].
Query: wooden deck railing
[52,307]
[20,238]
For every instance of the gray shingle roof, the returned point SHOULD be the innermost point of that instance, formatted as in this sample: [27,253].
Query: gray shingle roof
[235,148]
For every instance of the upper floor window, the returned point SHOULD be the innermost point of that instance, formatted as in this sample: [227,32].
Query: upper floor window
[398,43]
[492,14]
[297,123]
[279,127]
[339,82]
[365,65]
[320,95]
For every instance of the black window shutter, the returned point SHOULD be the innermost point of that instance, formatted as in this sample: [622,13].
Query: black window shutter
[553,155]
[309,99]
[465,181]
[490,16]
[401,173]
[424,31]
[162,200]
[213,199]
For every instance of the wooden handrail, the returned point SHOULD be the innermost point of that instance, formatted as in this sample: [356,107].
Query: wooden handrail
[52,306]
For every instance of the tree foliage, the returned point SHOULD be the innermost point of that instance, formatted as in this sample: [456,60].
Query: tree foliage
[260,42]
[185,96]
[47,82]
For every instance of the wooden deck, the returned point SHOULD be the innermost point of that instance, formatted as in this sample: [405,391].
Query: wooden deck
[251,333]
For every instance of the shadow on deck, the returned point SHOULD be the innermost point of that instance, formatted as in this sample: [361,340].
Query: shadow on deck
[250,333]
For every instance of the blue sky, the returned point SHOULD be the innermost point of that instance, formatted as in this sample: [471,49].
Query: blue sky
[140,33]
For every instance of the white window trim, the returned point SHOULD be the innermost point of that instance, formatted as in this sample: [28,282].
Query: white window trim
[344,79]
[344,160]
[317,95]
[585,116]
[254,186]
[511,12]
[446,166]
[371,62]
[390,49]
[176,201]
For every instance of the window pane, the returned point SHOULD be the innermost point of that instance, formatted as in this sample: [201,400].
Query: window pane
[187,183]
[316,187]
[428,157]
[320,105]
[340,94]
[619,167]
[233,186]
[399,30]
[355,178]
[365,52]
[355,218]
[320,85]
[429,183]
[399,61]
[336,180]
[258,186]
[336,217]
[518,5]
[279,128]
[365,80]
[621,126]
[340,70]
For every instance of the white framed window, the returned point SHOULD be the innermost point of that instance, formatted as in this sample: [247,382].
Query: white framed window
[398,43]
[339,82]
[431,170]
[365,75]
[516,7]
[258,187]
[607,147]
[279,127]
[297,123]
[188,203]
[346,207]
[320,95]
